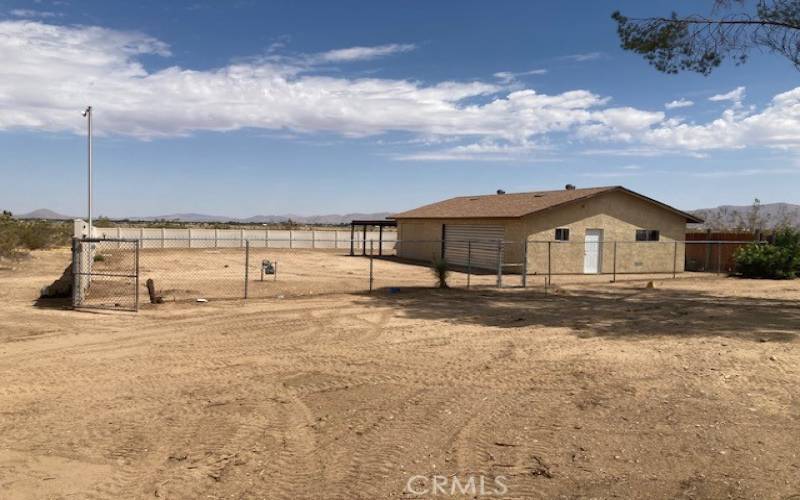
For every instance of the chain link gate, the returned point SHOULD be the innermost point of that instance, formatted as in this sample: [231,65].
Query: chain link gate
[105,274]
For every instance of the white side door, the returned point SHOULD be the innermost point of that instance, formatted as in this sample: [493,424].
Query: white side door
[593,251]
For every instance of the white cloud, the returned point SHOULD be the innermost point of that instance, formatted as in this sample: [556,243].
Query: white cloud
[483,151]
[736,96]
[34,14]
[679,103]
[587,56]
[507,77]
[49,73]
[778,126]
[364,53]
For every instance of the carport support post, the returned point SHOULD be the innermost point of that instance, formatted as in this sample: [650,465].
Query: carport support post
[364,241]
[352,236]
[380,240]
[469,261]
[246,265]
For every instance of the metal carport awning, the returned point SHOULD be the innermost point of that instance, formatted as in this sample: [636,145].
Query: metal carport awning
[369,223]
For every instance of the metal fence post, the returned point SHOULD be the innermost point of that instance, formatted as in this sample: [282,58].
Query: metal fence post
[469,261]
[525,264]
[614,270]
[719,257]
[499,263]
[549,267]
[75,272]
[370,265]
[136,273]
[246,266]
[675,261]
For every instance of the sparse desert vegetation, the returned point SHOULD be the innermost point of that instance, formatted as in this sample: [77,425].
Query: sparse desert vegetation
[19,236]
[684,390]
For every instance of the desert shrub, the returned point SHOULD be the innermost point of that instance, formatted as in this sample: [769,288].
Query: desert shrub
[35,235]
[9,239]
[440,271]
[777,260]
[99,258]
[20,235]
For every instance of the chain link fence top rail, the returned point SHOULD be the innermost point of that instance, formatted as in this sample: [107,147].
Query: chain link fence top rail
[122,273]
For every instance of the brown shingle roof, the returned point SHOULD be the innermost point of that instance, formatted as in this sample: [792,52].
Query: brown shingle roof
[514,205]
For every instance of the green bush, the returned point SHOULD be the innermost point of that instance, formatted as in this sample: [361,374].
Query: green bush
[777,260]
[441,271]
[20,235]
[35,235]
[9,239]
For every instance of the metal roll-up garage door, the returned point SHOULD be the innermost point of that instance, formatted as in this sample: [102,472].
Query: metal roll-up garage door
[482,245]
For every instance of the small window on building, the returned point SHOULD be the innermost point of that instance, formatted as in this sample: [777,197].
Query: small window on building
[562,234]
[647,235]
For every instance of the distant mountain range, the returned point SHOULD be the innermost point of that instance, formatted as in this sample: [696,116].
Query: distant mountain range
[768,216]
[722,217]
[44,213]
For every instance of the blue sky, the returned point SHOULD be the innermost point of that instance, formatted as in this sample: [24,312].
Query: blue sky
[256,107]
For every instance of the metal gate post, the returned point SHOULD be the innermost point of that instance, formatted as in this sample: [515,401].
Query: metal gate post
[469,261]
[246,266]
[75,272]
[136,273]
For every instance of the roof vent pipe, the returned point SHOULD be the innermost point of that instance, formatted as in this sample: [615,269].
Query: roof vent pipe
[500,191]
[570,187]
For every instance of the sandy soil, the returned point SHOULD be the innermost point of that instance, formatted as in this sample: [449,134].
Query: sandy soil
[685,390]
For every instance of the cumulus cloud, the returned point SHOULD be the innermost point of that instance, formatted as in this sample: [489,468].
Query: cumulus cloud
[736,96]
[34,14]
[49,73]
[508,77]
[679,103]
[365,53]
[587,56]
[777,126]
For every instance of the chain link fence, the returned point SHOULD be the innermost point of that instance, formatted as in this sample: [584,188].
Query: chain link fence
[122,274]
[105,274]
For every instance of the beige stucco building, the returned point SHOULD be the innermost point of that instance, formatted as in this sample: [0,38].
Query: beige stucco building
[591,230]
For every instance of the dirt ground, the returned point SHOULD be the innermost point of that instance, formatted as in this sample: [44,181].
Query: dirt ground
[690,389]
